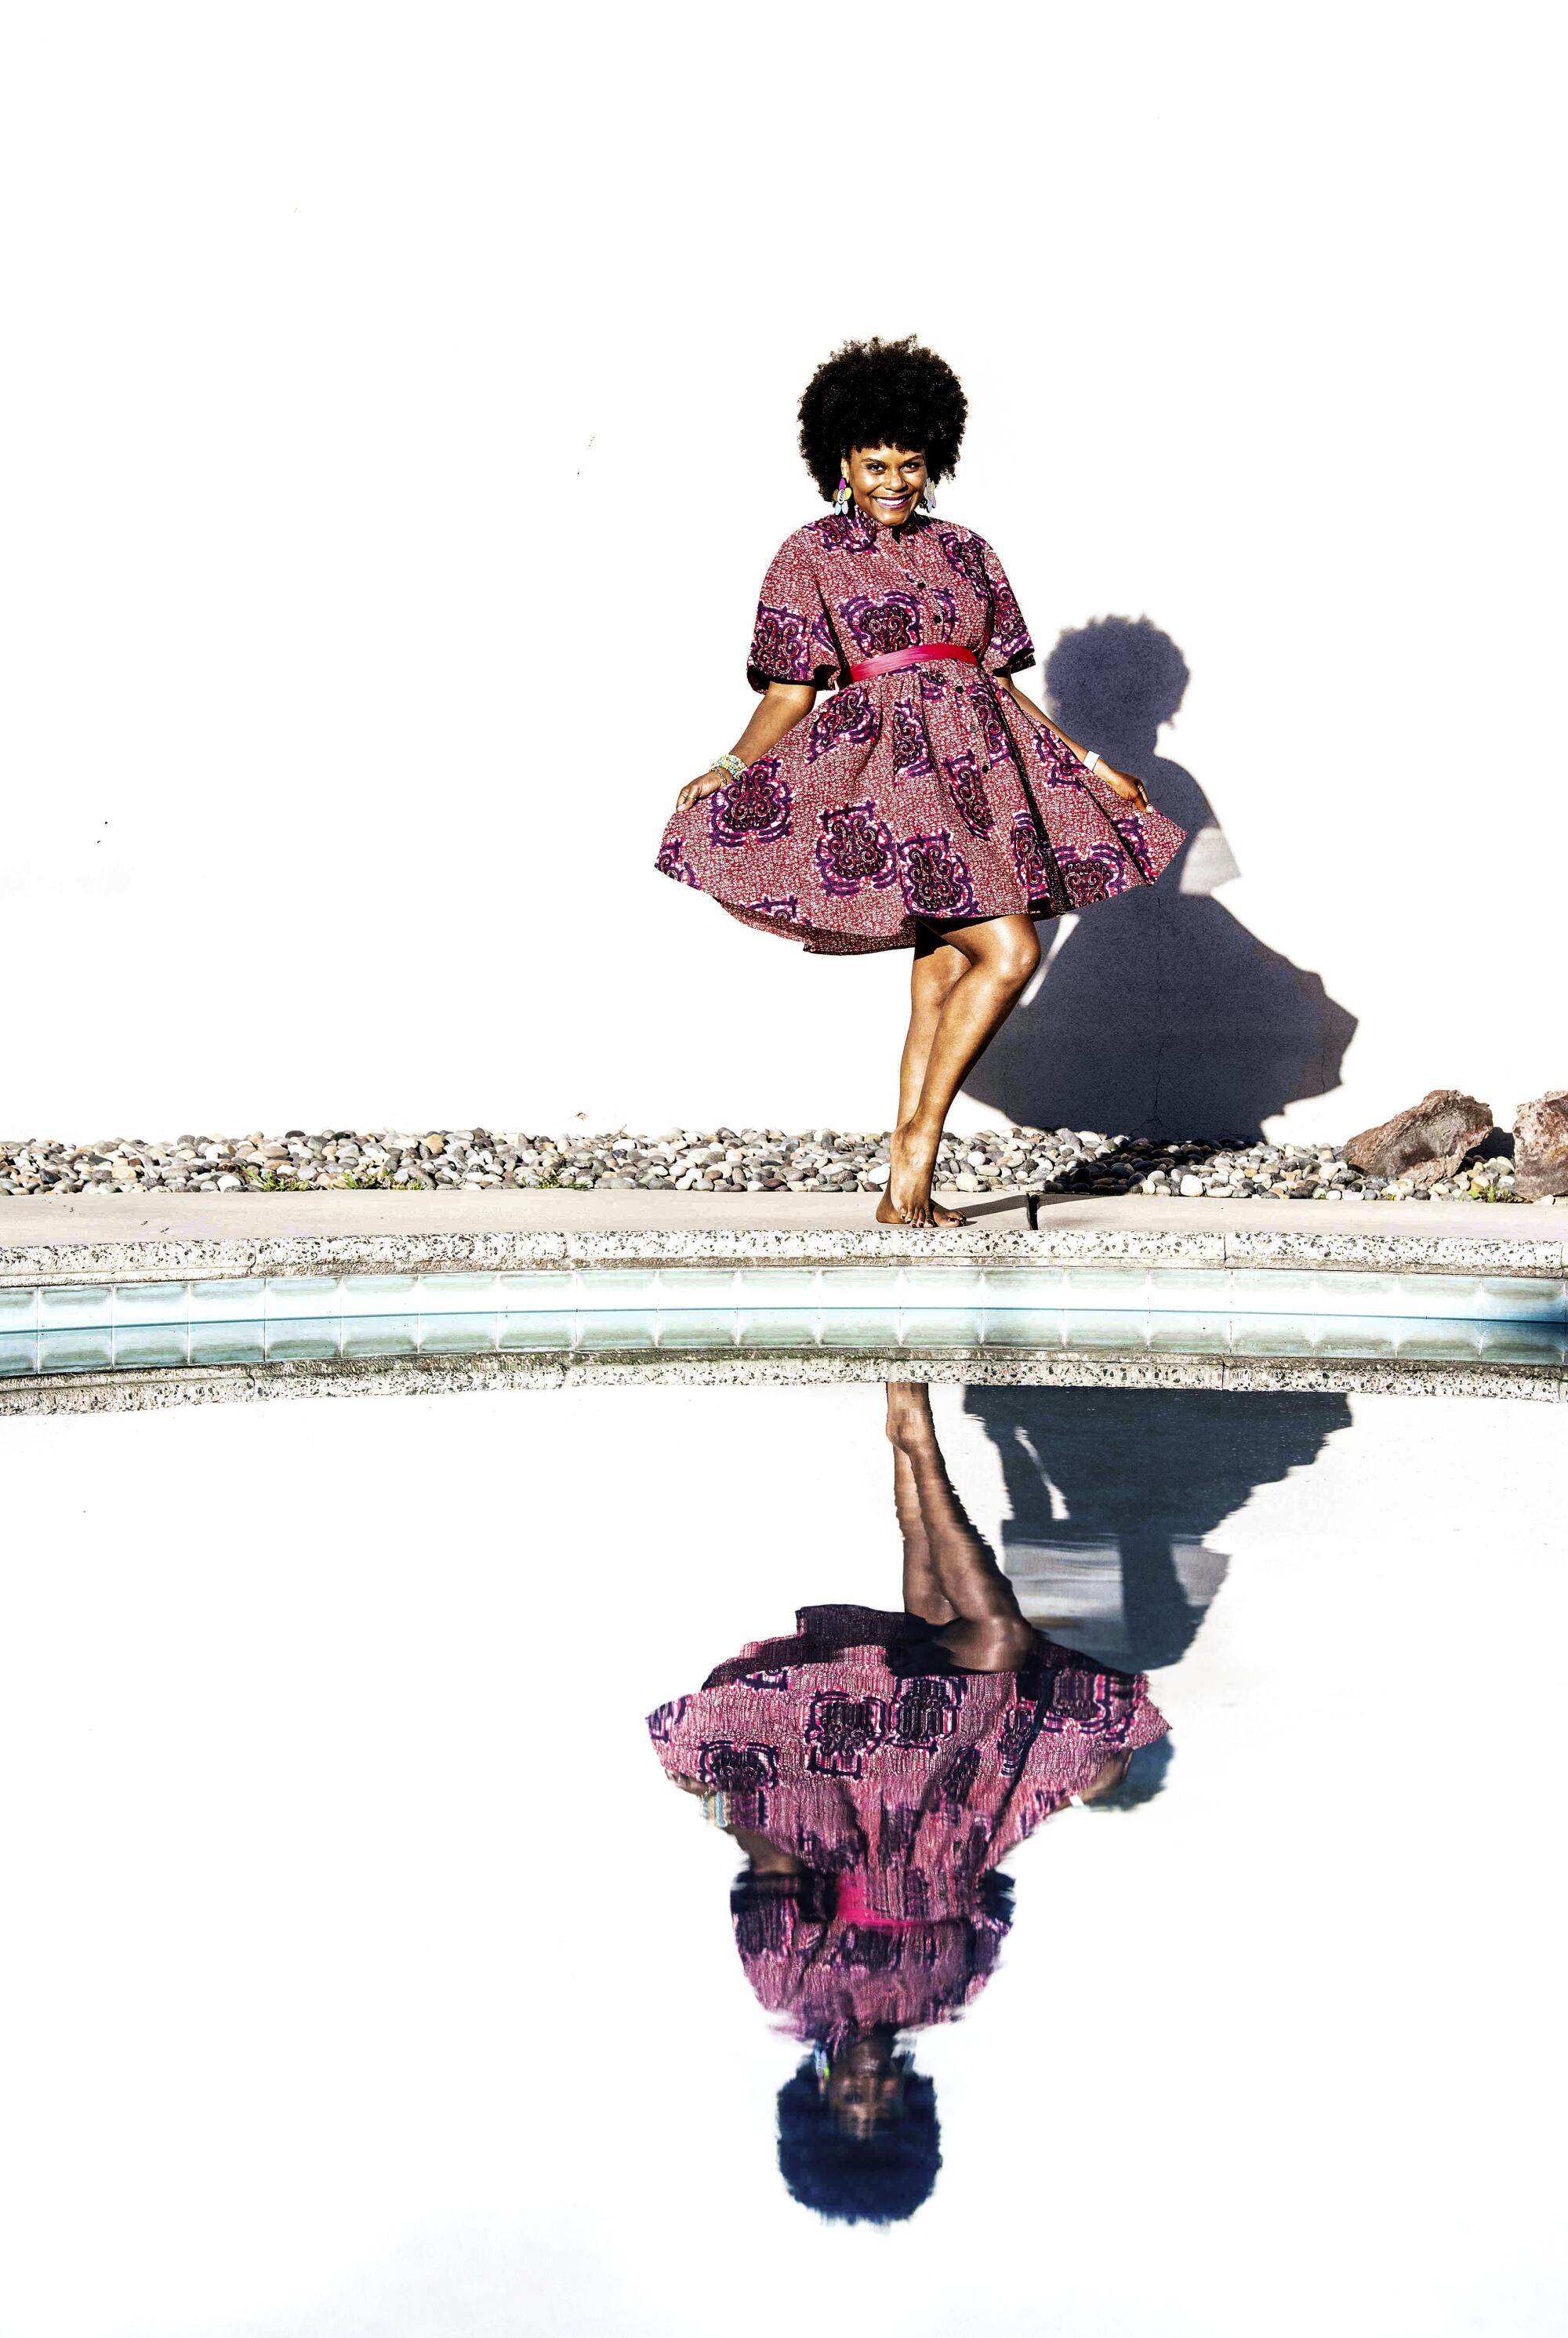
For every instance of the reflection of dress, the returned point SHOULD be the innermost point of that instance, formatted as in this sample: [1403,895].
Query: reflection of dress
[925,793]
[857,1748]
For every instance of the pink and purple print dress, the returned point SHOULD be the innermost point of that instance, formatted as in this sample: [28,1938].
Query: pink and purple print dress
[921,795]
[902,1788]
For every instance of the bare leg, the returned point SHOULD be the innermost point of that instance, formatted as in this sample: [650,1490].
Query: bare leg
[937,967]
[987,1632]
[1001,954]
[923,1593]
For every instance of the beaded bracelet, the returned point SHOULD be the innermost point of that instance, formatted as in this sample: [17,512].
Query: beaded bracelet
[731,764]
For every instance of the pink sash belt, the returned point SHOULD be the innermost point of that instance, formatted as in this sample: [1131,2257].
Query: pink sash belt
[896,660]
[852,1906]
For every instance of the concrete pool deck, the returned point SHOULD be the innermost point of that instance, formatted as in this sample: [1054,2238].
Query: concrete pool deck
[140,1237]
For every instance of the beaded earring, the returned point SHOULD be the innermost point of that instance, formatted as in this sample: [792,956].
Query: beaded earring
[841,500]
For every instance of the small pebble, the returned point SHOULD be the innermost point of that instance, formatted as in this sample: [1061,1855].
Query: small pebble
[716,1161]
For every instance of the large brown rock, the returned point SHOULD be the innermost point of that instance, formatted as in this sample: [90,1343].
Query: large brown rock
[1423,1143]
[1541,1147]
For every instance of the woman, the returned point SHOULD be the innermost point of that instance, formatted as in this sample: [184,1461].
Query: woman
[876,1768]
[928,804]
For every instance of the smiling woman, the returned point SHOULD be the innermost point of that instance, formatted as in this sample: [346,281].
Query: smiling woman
[927,805]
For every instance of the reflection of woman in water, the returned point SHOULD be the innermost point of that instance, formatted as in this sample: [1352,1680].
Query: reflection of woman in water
[876,1767]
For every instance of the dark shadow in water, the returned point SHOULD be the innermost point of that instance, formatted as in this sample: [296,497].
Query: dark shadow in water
[1160,1015]
[1114,1490]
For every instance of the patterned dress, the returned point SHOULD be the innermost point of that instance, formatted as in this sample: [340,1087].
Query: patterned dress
[926,794]
[899,1788]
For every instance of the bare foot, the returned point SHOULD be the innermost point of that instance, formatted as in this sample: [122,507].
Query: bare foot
[907,1196]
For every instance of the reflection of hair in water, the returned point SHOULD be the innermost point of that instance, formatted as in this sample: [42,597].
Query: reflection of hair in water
[876,2179]
[1143,1778]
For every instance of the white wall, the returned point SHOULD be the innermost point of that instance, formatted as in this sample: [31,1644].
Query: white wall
[403,418]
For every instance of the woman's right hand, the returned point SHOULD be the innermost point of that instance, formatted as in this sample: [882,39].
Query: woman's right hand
[694,791]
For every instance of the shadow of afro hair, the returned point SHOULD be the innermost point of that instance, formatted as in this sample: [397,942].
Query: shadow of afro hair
[875,2179]
[881,393]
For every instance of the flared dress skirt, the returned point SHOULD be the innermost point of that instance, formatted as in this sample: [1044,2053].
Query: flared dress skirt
[925,797]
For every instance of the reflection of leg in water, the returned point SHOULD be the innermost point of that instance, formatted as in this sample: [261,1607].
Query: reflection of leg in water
[950,1577]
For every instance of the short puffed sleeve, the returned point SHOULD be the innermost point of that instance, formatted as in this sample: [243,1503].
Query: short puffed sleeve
[1010,649]
[793,639]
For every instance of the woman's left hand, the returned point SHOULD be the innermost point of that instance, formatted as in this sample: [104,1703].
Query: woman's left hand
[1130,791]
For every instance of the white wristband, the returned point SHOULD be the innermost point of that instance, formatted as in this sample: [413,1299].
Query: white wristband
[1091,762]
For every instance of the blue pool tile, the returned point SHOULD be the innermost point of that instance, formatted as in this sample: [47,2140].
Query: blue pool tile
[1193,1335]
[1038,1329]
[241,1300]
[1275,1293]
[944,1327]
[619,1291]
[770,1290]
[1363,1337]
[778,1327]
[85,1350]
[1189,1291]
[541,1293]
[459,1295]
[1033,1289]
[1523,1344]
[367,1296]
[861,1287]
[228,1344]
[857,1329]
[622,1327]
[1524,1302]
[685,1289]
[303,1298]
[380,1335]
[77,1306]
[1442,1338]
[687,1328]
[1094,1327]
[18,1311]
[1270,1335]
[301,1340]
[151,1303]
[148,1344]
[459,1335]
[1106,1290]
[946,1287]
[550,1333]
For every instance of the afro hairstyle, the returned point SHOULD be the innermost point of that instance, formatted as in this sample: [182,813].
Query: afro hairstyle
[875,2179]
[880,393]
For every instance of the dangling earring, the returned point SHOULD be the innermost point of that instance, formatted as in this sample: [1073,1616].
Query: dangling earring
[822,2063]
[842,499]
[927,498]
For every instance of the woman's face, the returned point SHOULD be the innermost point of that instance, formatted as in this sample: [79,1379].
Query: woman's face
[886,482]
[866,2086]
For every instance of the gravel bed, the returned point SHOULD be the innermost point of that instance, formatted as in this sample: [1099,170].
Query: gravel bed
[720,1161]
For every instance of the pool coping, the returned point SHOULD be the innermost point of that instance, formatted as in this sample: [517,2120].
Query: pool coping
[163,1388]
[52,1239]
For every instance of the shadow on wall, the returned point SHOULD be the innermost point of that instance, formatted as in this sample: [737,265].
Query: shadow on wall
[1160,1015]
[1114,1490]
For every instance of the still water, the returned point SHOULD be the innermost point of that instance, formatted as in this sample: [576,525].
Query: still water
[649,1860]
